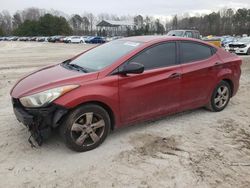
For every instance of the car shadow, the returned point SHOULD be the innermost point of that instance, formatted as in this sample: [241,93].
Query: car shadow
[56,143]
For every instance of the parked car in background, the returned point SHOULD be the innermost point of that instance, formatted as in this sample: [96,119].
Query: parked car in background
[122,82]
[8,38]
[226,40]
[33,38]
[12,38]
[57,38]
[95,40]
[66,39]
[42,39]
[23,39]
[76,39]
[185,33]
[215,40]
[241,46]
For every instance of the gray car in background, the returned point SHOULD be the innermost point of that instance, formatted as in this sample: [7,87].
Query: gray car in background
[185,33]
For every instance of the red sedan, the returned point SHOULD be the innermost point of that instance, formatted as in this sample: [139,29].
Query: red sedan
[123,82]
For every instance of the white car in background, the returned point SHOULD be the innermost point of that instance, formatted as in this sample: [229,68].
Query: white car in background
[76,39]
[242,46]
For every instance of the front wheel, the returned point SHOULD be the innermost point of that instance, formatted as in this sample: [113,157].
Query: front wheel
[86,127]
[248,51]
[220,97]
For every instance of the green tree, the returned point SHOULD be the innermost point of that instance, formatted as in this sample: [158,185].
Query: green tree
[47,25]
[27,28]
[1,32]
[53,25]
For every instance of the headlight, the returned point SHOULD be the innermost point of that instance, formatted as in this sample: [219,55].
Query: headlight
[45,97]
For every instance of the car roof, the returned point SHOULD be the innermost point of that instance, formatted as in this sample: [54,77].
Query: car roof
[154,38]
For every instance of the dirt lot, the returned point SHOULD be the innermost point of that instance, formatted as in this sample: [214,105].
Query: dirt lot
[192,149]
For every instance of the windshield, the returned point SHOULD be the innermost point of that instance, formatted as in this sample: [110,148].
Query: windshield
[175,33]
[104,55]
[246,39]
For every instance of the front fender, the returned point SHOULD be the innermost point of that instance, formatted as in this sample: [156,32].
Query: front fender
[103,90]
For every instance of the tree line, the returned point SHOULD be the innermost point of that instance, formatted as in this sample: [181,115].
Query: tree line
[35,22]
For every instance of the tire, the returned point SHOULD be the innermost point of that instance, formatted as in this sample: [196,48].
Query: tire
[248,51]
[86,127]
[220,97]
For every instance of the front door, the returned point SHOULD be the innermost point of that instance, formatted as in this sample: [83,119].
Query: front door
[154,92]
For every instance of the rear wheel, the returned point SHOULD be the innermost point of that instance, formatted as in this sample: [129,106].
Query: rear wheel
[248,51]
[86,128]
[220,97]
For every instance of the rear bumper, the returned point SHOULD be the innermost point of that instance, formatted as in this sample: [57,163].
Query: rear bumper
[39,121]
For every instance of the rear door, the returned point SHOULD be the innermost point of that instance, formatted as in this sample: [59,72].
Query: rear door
[154,92]
[198,62]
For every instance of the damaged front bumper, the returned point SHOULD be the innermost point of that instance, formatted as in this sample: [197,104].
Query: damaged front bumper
[39,121]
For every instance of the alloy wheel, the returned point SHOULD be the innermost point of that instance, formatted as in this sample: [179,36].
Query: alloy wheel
[221,97]
[87,129]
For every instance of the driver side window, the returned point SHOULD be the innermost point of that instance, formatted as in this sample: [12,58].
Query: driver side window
[158,56]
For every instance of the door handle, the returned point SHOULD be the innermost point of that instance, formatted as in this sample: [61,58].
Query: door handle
[175,75]
[217,63]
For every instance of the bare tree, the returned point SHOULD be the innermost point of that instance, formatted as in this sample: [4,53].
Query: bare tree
[17,20]
[91,19]
[32,14]
[76,22]
[6,22]
[138,21]
[86,25]
[175,22]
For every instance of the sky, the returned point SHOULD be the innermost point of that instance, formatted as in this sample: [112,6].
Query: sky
[155,8]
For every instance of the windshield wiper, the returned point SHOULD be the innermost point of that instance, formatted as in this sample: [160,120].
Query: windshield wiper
[76,67]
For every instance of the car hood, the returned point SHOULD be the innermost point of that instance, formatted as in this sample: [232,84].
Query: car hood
[239,43]
[47,78]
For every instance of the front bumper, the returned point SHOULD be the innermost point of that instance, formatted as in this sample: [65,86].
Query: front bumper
[237,50]
[39,121]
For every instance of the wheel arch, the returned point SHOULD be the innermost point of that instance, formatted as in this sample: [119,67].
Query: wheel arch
[106,107]
[230,82]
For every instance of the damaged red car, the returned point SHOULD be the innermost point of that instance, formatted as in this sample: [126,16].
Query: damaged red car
[123,82]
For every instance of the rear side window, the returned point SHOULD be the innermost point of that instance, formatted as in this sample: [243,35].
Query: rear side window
[162,55]
[191,51]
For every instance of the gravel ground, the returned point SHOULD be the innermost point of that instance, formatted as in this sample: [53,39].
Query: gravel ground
[196,148]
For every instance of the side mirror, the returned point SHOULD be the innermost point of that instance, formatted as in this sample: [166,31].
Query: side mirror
[132,68]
